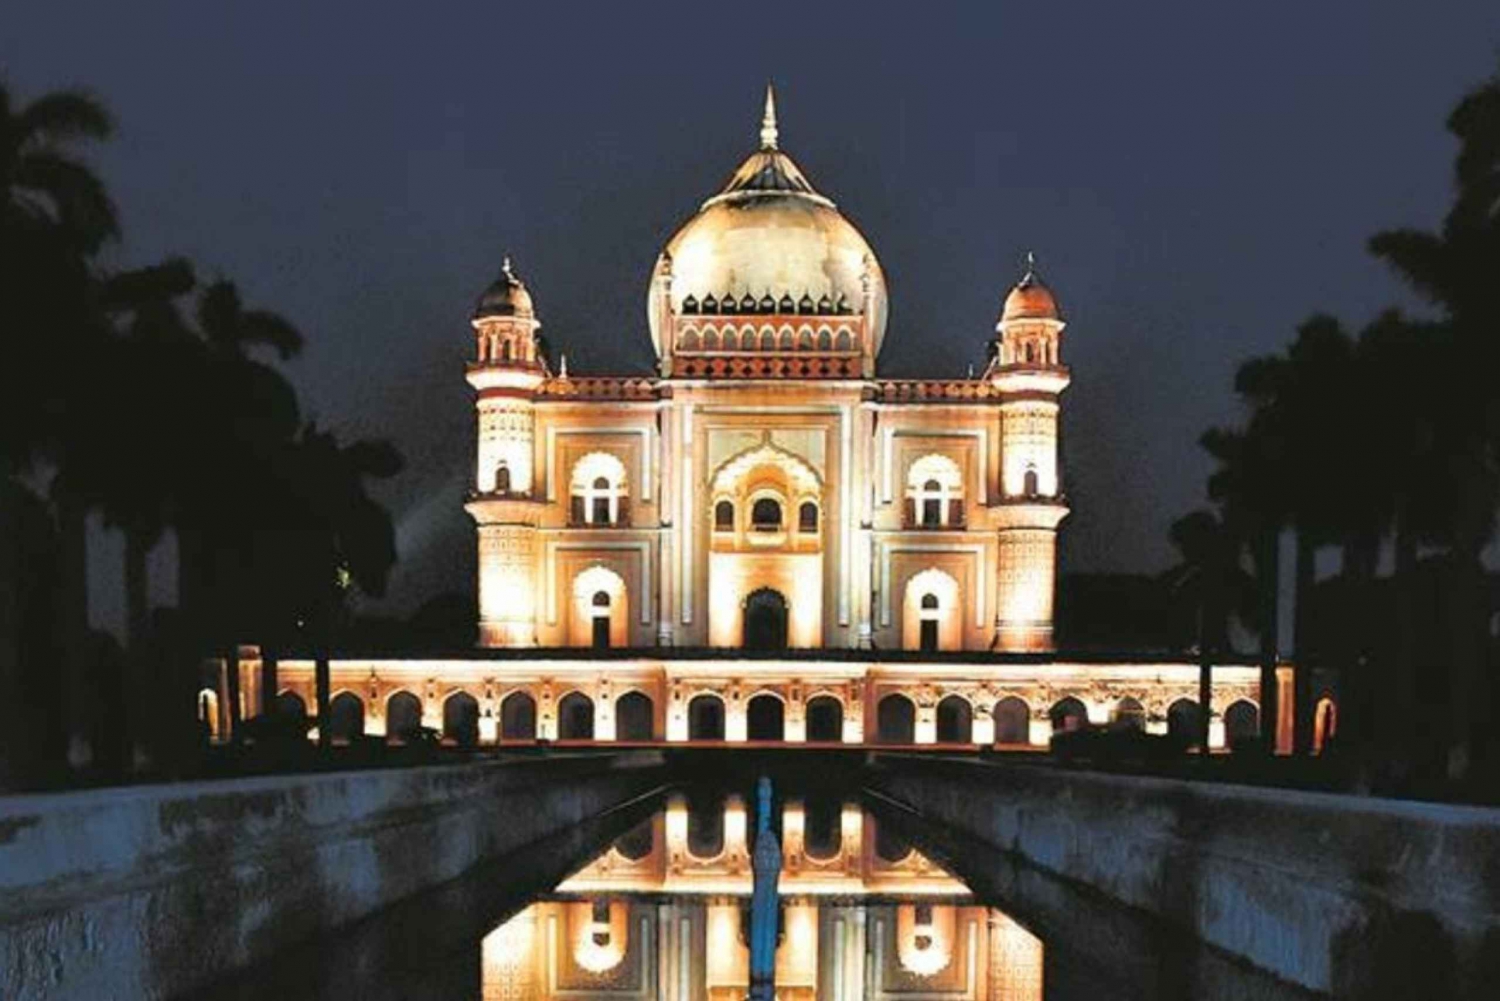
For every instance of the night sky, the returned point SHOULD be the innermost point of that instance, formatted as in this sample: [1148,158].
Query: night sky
[1195,178]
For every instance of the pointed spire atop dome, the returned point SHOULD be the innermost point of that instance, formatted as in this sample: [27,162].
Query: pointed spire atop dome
[768,131]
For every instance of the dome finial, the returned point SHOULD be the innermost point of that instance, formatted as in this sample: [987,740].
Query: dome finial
[505,268]
[768,131]
[1030,275]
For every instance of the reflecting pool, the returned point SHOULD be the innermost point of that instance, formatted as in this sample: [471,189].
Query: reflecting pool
[653,902]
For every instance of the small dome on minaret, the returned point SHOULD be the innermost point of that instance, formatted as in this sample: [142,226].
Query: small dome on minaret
[1030,299]
[506,296]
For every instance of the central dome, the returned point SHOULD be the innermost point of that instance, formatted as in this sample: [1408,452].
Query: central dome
[769,232]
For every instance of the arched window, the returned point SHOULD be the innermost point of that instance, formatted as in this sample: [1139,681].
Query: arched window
[807,517]
[929,628]
[765,718]
[634,717]
[1012,721]
[461,719]
[825,719]
[1241,723]
[934,493]
[1068,714]
[955,720]
[724,516]
[598,491]
[1184,722]
[505,350]
[1325,723]
[575,717]
[822,827]
[600,604]
[346,718]
[1029,482]
[208,713]
[502,479]
[765,515]
[896,720]
[403,717]
[518,717]
[706,718]
[1130,713]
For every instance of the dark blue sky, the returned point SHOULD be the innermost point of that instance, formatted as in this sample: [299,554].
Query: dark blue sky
[1194,177]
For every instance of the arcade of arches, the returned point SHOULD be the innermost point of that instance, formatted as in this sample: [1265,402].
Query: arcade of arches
[488,702]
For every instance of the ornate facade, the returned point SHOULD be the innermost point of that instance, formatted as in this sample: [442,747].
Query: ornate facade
[767,491]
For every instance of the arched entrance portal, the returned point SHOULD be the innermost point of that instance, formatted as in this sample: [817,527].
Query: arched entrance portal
[765,620]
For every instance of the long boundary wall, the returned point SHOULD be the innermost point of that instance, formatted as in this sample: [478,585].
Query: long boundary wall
[1351,896]
[149,891]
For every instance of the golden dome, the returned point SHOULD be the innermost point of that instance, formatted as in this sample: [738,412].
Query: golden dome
[506,296]
[770,233]
[1030,299]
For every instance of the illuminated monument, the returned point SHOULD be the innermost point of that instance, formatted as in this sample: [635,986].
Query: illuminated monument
[768,490]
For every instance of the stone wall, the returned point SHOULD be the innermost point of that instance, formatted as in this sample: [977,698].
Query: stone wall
[1353,896]
[149,891]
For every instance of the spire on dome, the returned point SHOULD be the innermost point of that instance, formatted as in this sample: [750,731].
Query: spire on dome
[768,131]
[1029,278]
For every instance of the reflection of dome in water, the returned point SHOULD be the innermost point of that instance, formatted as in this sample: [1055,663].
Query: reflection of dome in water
[769,233]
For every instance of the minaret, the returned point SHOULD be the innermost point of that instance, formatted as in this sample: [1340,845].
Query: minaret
[506,371]
[1028,372]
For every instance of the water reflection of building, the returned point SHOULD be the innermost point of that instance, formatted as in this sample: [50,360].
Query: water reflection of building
[664,913]
[694,949]
[765,490]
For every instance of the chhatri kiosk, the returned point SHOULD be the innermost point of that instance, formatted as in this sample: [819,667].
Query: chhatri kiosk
[766,539]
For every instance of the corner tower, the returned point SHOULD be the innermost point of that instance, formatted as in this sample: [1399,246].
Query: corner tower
[1028,373]
[507,369]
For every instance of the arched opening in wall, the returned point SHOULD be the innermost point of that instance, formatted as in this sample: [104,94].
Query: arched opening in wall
[597,495]
[822,827]
[506,351]
[955,721]
[1325,723]
[890,846]
[765,618]
[825,719]
[634,717]
[724,516]
[1184,722]
[636,843]
[765,515]
[765,718]
[706,717]
[346,718]
[807,517]
[289,705]
[208,713]
[403,717]
[518,717]
[934,493]
[575,717]
[1241,723]
[600,604]
[928,640]
[1129,714]
[1029,482]
[896,720]
[705,825]
[1067,715]
[502,479]
[461,720]
[1012,721]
